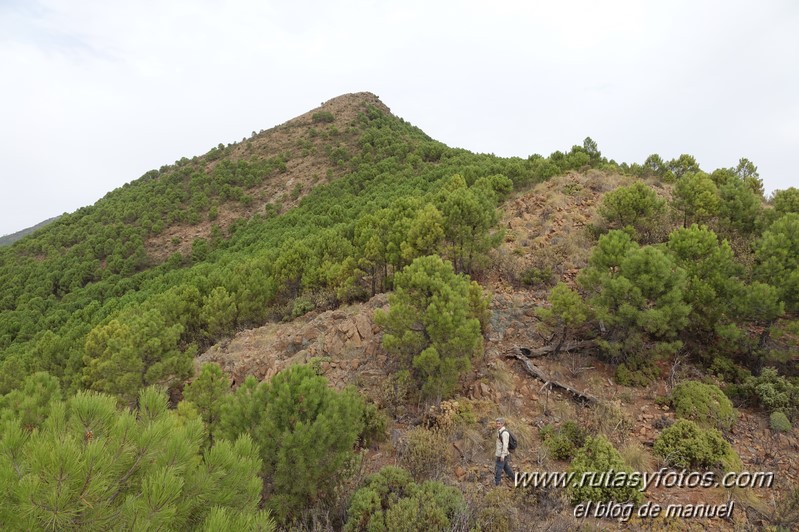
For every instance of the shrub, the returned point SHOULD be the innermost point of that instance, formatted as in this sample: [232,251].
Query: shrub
[599,456]
[636,372]
[563,442]
[536,276]
[496,512]
[301,306]
[296,191]
[685,444]
[375,423]
[779,422]
[322,117]
[770,390]
[391,500]
[703,403]
[425,453]
[637,457]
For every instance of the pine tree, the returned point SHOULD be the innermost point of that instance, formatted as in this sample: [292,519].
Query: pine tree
[306,432]
[636,206]
[696,198]
[434,323]
[637,295]
[91,466]
[208,392]
[134,350]
[777,256]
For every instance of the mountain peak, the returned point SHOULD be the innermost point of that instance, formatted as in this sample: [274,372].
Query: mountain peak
[346,106]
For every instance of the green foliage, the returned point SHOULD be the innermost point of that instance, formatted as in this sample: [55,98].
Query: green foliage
[296,191]
[434,323]
[424,453]
[391,500]
[305,430]
[637,294]
[778,259]
[599,456]
[711,275]
[469,213]
[636,371]
[92,467]
[496,512]
[696,198]
[537,276]
[786,201]
[703,403]
[746,171]
[567,312]
[683,165]
[771,391]
[208,392]
[323,117]
[637,206]
[686,445]
[375,426]
[30,404]
[740,208]
[564,441]
[778,422]
[134,351]
[219,312]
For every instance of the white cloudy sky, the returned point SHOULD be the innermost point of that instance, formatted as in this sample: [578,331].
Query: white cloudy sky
[95,93]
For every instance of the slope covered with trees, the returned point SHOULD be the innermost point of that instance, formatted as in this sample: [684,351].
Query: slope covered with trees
[103,311]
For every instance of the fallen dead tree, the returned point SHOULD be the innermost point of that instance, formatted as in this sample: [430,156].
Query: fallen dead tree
[539,374]
[552,349]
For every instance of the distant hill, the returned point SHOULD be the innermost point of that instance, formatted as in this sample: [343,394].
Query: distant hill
[10,239]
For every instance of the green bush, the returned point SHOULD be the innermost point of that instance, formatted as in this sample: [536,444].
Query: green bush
[375,424]
[636,372]
[779,422]
[685,444]
[769,390]
[391,500]
[598,456]
[537,276]
[564,441]
[703,403]
[322,117]
[296,191]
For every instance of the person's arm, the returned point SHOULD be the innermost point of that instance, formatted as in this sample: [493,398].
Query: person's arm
[505,440]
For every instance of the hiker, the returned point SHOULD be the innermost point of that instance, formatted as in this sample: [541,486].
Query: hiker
[503,452]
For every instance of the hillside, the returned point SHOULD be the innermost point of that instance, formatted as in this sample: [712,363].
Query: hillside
[13,237]
[342,294]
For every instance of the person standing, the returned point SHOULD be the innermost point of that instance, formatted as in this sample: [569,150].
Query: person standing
[503,453]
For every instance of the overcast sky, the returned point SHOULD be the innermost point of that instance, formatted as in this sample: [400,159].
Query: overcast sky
[95,93]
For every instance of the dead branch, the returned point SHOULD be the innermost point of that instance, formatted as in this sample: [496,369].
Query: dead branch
[540,375]
[550,349]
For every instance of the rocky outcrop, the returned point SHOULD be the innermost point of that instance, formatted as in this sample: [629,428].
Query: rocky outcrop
[344,344]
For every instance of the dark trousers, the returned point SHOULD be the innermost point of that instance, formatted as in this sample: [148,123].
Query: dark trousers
[500,467]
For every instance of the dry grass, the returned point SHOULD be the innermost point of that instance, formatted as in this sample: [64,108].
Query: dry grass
[420,452]
[611,421]
[637,457]
[503,379]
